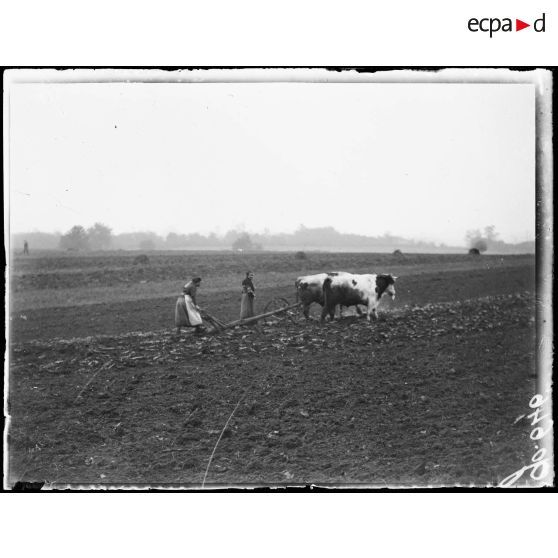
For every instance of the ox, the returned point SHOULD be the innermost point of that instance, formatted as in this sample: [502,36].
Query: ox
[309,289]
[350,289]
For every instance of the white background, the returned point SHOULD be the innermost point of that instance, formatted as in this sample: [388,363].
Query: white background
[278,525]
[181,33]
[286,32]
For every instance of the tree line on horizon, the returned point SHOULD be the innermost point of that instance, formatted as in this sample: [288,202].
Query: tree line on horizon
[101,237]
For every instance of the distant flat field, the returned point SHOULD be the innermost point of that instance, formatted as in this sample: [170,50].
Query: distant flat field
[101,391]
[65,281]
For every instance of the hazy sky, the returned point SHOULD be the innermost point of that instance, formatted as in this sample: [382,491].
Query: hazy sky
[424,161]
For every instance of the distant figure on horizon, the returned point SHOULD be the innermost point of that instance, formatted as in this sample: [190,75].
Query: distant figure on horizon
[25,247]
[248,296]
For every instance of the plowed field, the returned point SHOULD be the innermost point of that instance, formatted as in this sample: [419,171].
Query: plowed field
[102,392]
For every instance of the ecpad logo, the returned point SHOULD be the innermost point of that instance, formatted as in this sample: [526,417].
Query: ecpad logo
[492,25]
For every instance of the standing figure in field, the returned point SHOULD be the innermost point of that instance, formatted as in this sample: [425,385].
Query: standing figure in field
[25,248]
[187,311]
[248,296]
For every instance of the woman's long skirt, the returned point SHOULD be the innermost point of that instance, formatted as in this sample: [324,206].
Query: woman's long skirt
[185,312]
[246,306]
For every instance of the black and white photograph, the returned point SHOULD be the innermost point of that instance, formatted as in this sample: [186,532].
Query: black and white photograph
[252,278]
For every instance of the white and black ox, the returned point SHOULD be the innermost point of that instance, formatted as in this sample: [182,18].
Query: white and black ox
[350,289]
[310,289]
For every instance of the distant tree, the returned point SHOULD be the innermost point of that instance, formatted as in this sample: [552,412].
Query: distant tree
[196,239]
[490,234]
[482,241]
[174,240]
[231,237]
[471,236]
[480,245]
[100,237]
[244,242]
[300,255]
[147,244]
[75,239]
[133,240]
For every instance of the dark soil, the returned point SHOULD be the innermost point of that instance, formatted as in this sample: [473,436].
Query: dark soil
[427,395]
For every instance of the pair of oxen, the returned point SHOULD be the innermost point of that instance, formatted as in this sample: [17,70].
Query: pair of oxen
[339,288]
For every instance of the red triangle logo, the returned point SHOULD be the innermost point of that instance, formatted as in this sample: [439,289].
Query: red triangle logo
[519,25]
